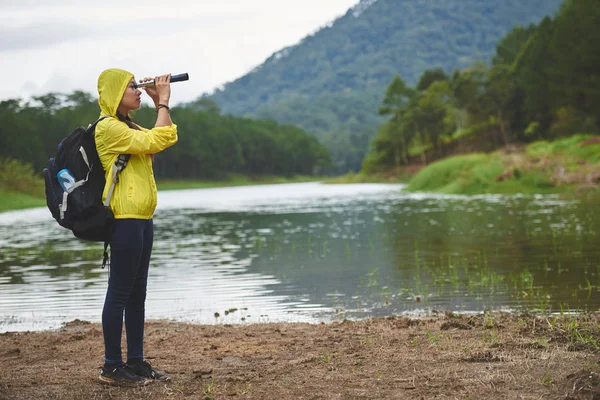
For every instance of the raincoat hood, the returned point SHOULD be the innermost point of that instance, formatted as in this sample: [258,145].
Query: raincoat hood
[112,84]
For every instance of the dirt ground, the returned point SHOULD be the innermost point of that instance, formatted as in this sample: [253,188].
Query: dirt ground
[491,356]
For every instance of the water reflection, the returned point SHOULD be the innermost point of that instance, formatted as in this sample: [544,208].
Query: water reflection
[312,252]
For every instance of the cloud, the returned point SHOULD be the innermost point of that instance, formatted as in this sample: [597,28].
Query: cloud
[40,35]
[63,45]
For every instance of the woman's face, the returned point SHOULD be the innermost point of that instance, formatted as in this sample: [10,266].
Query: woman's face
[132,98]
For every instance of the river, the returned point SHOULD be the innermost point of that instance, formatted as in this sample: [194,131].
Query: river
[314,252]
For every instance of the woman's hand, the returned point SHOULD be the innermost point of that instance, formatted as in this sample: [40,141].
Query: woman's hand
[162,84]
[150,90]
[160,93]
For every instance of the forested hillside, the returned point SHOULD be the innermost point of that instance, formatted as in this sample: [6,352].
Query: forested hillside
[332,82]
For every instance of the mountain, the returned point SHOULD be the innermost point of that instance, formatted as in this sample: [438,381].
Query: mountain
[333,81]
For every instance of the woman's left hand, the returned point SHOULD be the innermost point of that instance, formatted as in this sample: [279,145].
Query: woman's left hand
[150,90]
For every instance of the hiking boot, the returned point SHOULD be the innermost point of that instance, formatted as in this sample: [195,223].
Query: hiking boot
[121,376]
[143,369]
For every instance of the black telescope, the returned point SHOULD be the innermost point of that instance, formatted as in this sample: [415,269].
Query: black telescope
[174,78]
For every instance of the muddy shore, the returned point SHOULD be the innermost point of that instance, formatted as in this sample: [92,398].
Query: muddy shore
[491,356]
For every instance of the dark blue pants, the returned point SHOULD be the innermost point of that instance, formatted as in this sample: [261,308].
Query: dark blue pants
[130,249]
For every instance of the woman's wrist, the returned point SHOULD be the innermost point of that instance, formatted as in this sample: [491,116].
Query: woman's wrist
[161,105]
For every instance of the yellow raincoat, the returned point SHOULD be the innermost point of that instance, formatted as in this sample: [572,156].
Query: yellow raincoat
[134,195]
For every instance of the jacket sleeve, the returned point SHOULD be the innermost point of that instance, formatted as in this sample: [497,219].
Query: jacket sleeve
[119,138]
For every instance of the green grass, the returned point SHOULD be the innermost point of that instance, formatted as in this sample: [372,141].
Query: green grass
[360,177]
[478,174]
[20,187]
[528,173]
[18,201]
[467,174]
[233,180]
[569,147]
[352,178]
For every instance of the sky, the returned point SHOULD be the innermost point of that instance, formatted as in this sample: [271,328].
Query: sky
[64,45]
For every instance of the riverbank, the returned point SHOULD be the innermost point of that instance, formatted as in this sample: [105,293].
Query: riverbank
[492,356]
[401,174]
[13,200]
[10,200]
[565,166]
[233,180]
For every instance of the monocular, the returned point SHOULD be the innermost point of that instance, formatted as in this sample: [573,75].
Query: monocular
[174,78]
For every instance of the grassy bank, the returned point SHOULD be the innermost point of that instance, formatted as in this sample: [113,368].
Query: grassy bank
[18,201]
[233,180]
[566,165]
[397,175]
[21,188]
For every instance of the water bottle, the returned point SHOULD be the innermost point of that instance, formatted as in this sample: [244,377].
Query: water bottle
[65,178]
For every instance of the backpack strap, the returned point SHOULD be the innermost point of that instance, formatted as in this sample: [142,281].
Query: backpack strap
[106,257]
[66,193]
[118,166]
[93,124]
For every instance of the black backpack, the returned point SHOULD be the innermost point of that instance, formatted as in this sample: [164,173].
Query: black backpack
[80,207]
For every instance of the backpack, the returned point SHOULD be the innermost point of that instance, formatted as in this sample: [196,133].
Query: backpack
[80,207]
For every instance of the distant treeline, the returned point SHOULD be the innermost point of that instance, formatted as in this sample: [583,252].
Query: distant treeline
[544,83]
[210,146]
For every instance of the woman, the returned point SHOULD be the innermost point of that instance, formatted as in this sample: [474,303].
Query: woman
[132,202]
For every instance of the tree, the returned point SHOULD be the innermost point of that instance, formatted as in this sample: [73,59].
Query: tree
[397,97]
[532,74]
[511,46]
[574,74]
[430,76]
[468,87]
[206,104]
[50,102]
[435,105]
[500,91]
[79,98]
